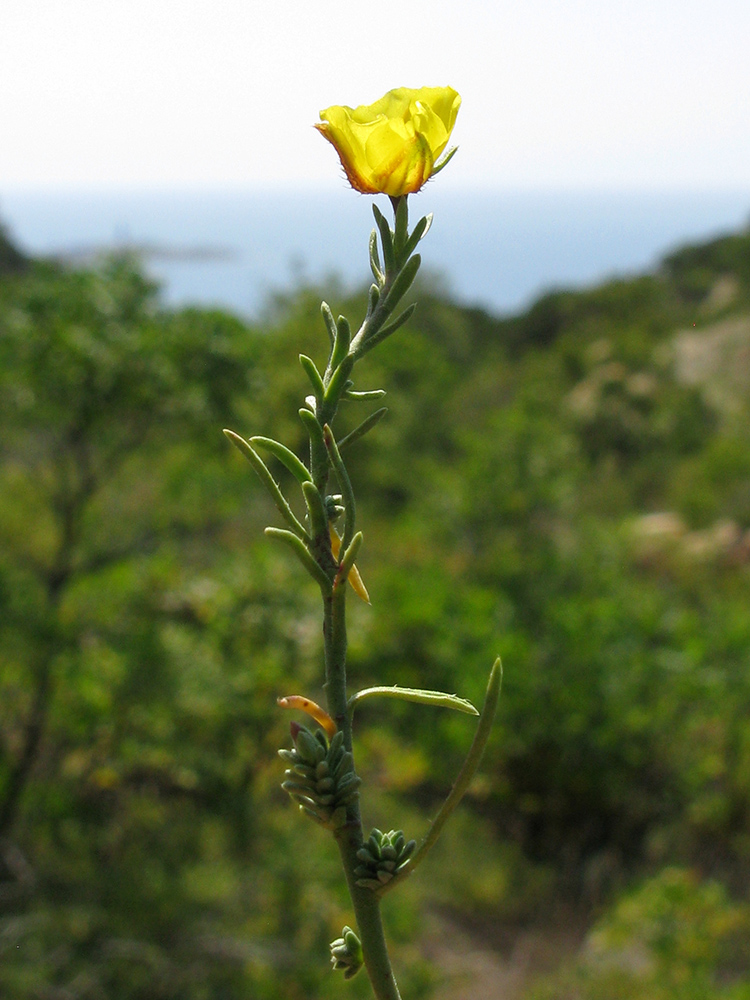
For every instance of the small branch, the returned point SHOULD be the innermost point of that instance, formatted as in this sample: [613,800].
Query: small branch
[32,739]
[464,778]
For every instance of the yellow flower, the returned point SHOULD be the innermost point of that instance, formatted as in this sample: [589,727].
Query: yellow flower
[390,147]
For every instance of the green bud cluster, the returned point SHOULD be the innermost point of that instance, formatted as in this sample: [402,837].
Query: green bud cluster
[346,953]
[382,856]
[321,778]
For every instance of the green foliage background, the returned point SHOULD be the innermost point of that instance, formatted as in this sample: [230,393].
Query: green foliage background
[569,487]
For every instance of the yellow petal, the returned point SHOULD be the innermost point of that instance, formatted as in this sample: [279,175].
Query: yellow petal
[390,147]
[313,710]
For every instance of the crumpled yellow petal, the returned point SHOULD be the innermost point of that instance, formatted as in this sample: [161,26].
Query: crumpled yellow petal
[390,147]
[313,710]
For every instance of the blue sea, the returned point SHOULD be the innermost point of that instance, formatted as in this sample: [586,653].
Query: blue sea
[498,249]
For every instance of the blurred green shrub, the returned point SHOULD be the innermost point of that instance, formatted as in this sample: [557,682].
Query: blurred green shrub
[673,938]
[586,513]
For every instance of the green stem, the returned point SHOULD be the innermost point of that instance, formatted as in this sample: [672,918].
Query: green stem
[349,838]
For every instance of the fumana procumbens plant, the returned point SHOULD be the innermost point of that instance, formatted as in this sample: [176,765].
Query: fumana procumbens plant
[390,147]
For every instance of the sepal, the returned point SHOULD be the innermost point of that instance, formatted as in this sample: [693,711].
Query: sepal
[444,160]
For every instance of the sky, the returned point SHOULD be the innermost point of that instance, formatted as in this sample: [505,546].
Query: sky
[190,93]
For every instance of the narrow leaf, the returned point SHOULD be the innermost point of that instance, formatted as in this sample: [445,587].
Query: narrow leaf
[440,699]
[313,428]
[347,563]
[366,394]
[329,321]
[375,267]
[373,298]
[285,456]
[298,701]
[315,508]
[339,379]
[366,345]
[386,240]
[269,482]
[420,231]
[303,554]
[403,283]
[314,375]
[355,580]
[340,347]
[363,428]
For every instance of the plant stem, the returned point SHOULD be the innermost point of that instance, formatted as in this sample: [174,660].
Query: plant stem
[349,838]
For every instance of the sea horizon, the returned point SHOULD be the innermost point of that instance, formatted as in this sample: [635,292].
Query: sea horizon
[495,249]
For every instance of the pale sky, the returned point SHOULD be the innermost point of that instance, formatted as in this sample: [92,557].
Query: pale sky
[571,93]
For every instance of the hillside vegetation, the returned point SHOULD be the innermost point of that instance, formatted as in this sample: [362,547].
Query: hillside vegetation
[569,487]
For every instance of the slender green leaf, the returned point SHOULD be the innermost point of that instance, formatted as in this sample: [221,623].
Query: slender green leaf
[315,508]
[373,298]
[420,231]
[386,240]
[364,427]
[339,378]
[285,456]
[269,482]
[347,562]
[375,267]
[313,428]
[340,347]
[440,699]
[366,394]
[367,344]
[314,375]
[329,321]
[303,554]
[403,283]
